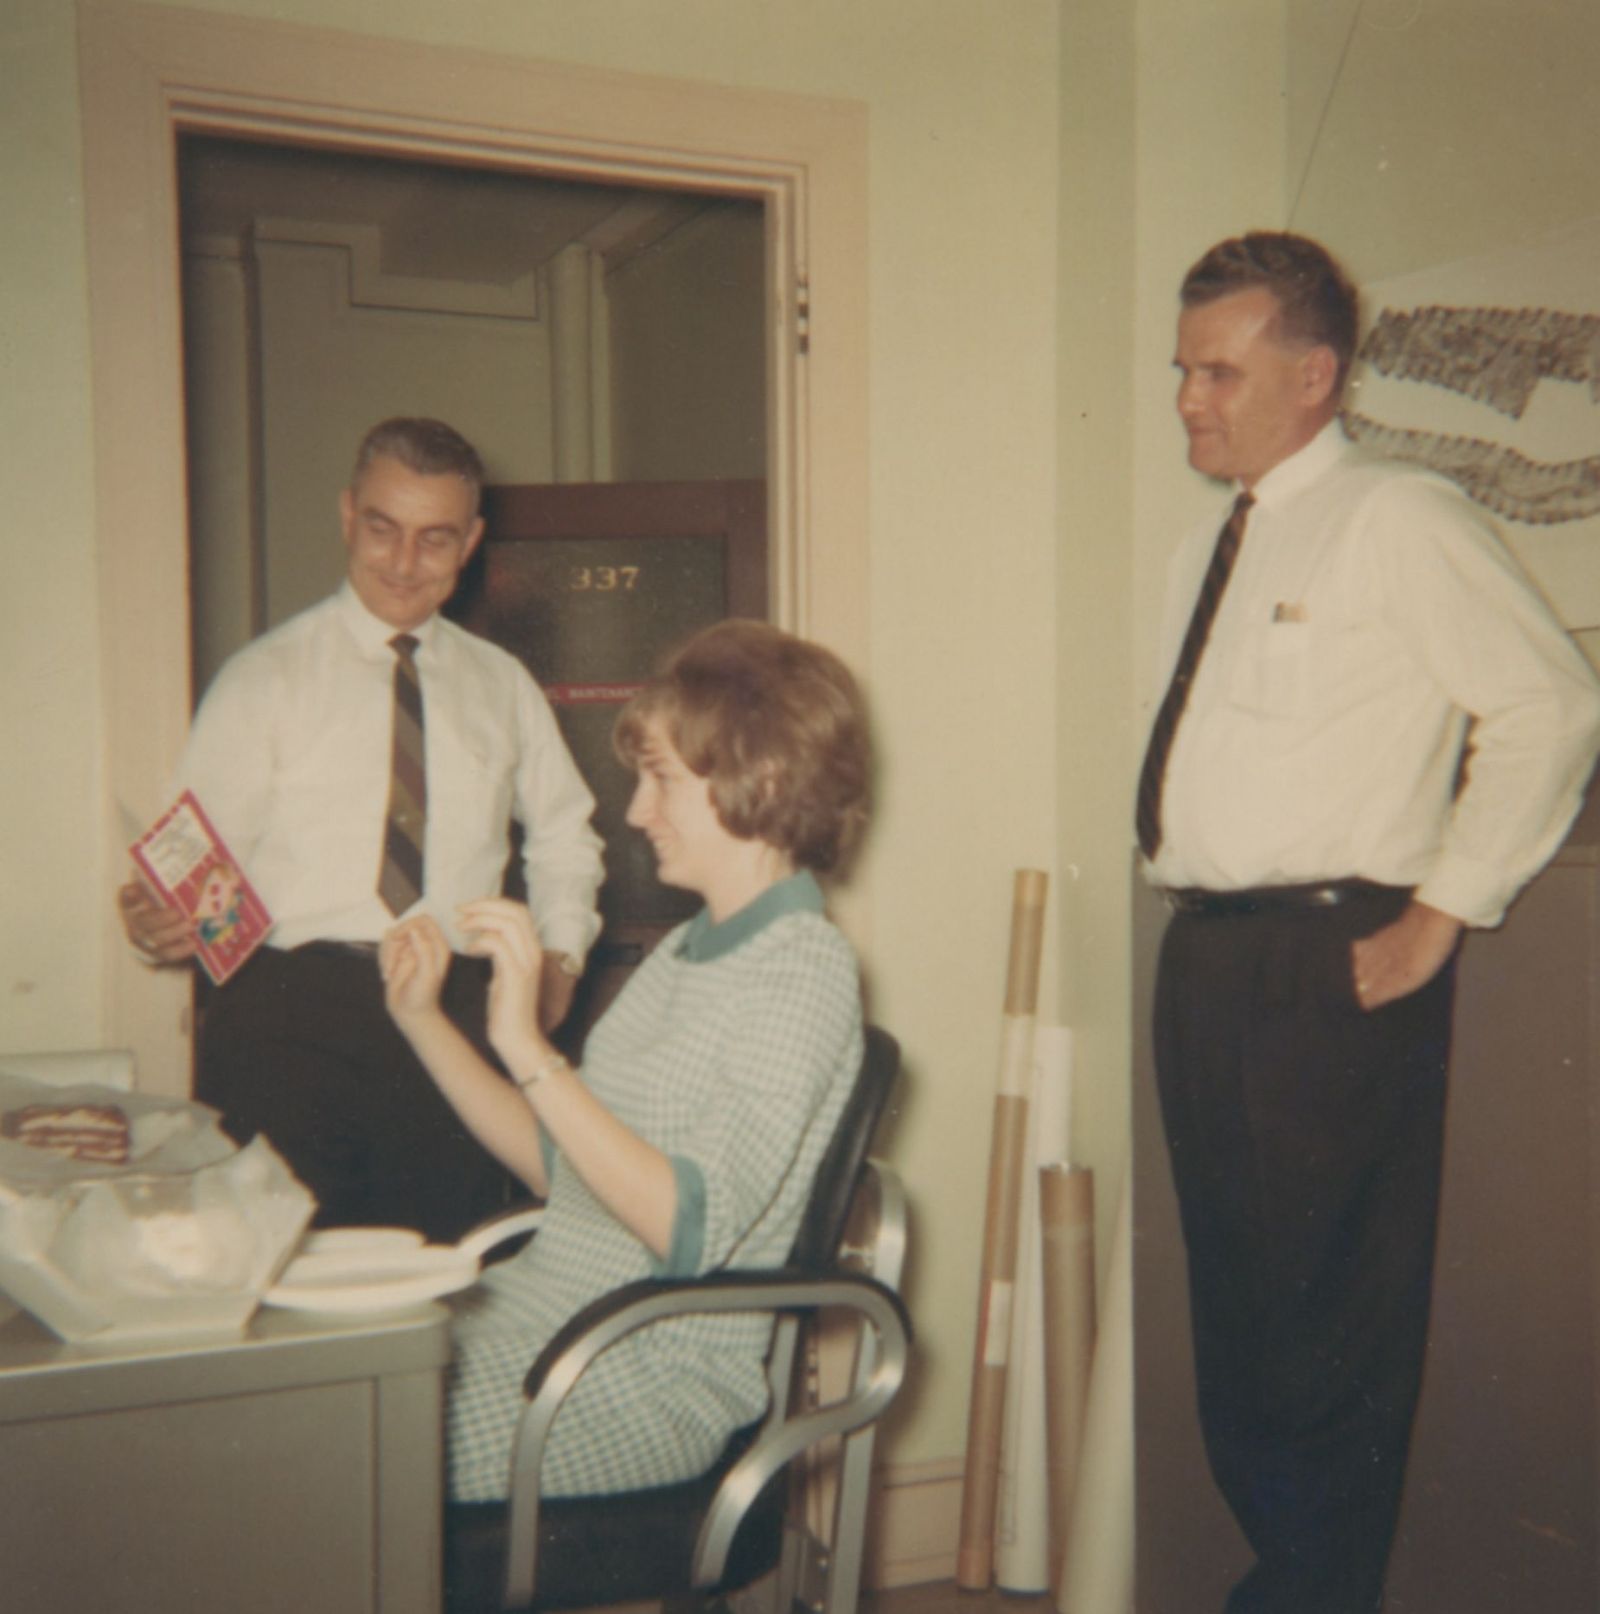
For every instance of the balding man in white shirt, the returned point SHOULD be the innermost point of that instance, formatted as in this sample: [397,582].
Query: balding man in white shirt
[1374,734]
[291,754]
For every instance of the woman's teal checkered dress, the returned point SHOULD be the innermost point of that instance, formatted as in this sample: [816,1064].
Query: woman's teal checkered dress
[733,1050]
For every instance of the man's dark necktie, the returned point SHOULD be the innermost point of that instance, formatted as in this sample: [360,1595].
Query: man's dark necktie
[400,877]
[1215,581]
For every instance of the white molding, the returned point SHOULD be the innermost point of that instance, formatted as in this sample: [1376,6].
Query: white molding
[915,1523]
[372,287]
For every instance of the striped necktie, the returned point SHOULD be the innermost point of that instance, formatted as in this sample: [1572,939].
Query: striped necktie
[1152,774]
[405,827]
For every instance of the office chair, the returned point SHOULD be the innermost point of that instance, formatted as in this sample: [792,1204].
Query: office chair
[691,1542]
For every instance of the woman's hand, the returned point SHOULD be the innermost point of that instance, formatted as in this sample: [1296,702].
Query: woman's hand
[413,959]
[503,932]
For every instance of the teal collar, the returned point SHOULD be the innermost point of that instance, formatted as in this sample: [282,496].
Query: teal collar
[704,941]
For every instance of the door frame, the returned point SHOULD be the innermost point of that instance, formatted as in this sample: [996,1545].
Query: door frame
[148,73]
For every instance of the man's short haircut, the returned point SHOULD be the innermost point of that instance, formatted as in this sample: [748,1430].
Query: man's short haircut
[428,447]
[778,726]
[1318,304]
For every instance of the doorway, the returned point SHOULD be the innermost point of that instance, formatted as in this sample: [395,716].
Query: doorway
[601,345]
[150,74]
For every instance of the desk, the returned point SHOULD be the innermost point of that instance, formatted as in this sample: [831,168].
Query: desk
[296,1468]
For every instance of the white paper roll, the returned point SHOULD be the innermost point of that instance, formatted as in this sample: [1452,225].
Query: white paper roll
[1022,1525]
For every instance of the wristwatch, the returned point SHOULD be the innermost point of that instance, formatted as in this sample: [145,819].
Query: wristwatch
[567,964]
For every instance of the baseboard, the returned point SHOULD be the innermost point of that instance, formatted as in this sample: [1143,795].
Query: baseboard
[914,1523]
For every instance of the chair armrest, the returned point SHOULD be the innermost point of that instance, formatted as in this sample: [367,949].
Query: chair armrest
[615,1315]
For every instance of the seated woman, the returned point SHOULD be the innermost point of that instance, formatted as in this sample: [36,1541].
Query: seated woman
[709,1089]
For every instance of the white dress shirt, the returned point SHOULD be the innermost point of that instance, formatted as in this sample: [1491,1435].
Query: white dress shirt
[290,756]
[1372,612]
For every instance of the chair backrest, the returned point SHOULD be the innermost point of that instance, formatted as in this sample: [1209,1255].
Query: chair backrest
[817,1239]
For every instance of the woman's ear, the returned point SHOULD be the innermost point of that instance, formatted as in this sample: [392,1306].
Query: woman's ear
[769,780]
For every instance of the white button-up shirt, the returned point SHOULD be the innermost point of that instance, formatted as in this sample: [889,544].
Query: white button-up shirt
[1372,615]
[290,757]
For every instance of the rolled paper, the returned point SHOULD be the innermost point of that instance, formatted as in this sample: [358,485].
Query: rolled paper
[997,1277]
[1023,1560]
[1027,942]
[1098,1577]
[1066,1223]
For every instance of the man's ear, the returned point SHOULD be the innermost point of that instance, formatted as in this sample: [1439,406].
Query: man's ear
[347,514]
[1319,373]
[474,533]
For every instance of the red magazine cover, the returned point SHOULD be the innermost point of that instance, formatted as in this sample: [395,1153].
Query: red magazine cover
[189,867]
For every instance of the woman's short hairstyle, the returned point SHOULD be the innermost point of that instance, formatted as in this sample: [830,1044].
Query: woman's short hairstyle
[1317,303]
[428,447]
[778,726]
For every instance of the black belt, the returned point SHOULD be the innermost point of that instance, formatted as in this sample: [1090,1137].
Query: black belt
[1267,899]
[344,949]
[366,950]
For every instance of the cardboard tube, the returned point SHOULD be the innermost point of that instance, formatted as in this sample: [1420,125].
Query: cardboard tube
[1023,1560]
[997,1278]
[1098,1578]
[1027,942]
[1066,1228]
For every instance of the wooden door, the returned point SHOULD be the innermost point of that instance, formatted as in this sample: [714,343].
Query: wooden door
[590,585]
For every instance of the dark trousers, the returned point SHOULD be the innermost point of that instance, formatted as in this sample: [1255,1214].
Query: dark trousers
[1306,1139]
[299,1046]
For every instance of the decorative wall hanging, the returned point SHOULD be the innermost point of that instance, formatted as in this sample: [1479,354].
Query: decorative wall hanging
[1488,372]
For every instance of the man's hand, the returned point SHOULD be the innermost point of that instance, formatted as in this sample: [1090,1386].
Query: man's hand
[1404,956]
[161,933]
[556,988]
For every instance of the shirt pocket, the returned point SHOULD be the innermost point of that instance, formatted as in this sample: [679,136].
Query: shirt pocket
[470,788]
[1271,675]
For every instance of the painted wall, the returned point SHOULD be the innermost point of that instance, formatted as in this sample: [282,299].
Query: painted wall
[51,892]
[962,533]
[1155,166]
[1443,131]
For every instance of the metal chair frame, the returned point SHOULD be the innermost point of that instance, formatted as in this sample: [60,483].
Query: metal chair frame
[882,1356]
[846,1261]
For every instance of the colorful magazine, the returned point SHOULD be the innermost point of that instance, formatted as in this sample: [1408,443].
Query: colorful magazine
[188,866]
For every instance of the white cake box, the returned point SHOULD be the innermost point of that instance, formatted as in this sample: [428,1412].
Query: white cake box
[184,1236]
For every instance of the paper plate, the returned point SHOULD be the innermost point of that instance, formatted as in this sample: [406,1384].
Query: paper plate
[324,1239]
[370,1276]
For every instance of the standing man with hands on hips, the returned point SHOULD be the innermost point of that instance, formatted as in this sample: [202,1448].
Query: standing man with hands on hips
[364,761]
[1374,733]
